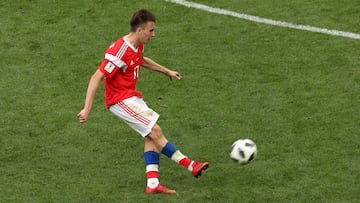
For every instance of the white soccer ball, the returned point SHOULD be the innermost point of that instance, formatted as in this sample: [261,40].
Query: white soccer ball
[243,151]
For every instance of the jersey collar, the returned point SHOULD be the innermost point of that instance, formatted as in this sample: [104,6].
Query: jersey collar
[130,45]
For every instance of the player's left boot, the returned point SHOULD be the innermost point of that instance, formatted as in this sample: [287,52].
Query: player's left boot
[198,167]
[160,189]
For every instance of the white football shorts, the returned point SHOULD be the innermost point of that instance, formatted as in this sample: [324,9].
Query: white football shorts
[135,112]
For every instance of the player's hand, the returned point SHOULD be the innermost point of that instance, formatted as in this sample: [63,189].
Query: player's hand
[174,74]
[83,115]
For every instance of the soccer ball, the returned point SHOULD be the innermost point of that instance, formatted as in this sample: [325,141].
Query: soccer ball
[243,151]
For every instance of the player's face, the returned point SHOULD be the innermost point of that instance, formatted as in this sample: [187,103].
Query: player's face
[147,32]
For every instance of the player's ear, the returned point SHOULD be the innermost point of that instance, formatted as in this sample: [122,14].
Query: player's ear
[139,29]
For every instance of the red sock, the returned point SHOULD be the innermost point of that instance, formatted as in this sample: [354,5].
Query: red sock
[185,162]
[152,174]
[152,179]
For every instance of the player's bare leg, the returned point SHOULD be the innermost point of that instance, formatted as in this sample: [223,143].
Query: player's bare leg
[155,140]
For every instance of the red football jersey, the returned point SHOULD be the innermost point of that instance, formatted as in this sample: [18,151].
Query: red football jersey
[121,67]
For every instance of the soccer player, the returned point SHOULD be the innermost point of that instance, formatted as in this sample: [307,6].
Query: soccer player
[120,71]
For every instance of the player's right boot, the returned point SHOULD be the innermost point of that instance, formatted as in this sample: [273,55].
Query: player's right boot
[160,189]
[198,167]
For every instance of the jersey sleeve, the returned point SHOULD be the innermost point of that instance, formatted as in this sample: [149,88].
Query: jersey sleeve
[112,64]
[108,68]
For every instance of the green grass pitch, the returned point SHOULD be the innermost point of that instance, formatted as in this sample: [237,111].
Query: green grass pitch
[295,93]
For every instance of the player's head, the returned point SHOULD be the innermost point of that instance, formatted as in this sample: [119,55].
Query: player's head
[143,25]
[140,18]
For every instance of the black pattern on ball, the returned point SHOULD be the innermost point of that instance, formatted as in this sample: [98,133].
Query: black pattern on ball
[241,153]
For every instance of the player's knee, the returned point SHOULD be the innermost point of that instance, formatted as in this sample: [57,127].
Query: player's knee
[157,135]
[156,131]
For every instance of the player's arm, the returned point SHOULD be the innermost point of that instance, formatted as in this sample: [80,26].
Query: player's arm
[152,65]
[90,95]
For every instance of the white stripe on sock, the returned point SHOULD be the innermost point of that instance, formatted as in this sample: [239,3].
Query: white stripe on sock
[152,167]
[177,156]
[152,182]
[190,168]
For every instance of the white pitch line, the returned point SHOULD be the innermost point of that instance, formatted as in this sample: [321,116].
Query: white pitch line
[266,20]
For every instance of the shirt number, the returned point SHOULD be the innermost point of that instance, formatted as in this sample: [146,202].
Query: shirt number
[136,72]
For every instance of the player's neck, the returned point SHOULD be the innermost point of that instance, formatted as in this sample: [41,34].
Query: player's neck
[132,39]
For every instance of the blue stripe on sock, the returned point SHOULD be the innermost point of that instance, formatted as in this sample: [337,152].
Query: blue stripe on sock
[151,157]
[169,149]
